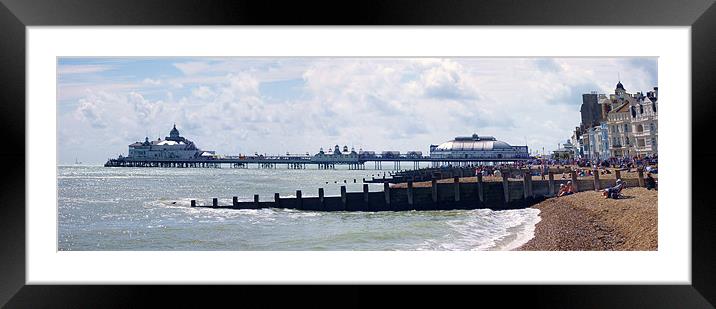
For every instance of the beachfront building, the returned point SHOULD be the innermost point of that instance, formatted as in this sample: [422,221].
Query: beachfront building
[173,146]
[590,138]
[477,147]
[619,125]
[565,152]
[633,123]
[645,123]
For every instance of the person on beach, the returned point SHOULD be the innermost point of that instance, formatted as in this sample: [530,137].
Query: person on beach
[566,189]
[570,187]
[614,191]
[562,190]
[650,182]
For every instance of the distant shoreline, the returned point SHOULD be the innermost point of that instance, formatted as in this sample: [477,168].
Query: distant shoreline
[586,221]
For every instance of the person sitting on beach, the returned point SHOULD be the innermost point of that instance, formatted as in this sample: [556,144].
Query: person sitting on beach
[566,189]
[650,182]
[614,191]
[562,190]
[570,187]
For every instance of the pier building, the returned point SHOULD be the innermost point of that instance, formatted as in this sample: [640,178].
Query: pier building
[173,146]
[477,147]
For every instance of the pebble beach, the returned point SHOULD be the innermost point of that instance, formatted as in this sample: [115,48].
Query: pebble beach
[587,221]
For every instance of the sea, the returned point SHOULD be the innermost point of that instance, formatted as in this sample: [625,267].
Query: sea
[148,209]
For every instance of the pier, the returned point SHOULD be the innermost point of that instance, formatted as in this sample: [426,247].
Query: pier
[300,162]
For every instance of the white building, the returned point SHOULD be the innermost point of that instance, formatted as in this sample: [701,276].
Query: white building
[633,123]
[337,155]
[173,146]
[645,123]
[478,147]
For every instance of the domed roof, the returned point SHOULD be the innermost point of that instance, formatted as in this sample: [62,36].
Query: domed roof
[473,143]
[174,131]
[620,86]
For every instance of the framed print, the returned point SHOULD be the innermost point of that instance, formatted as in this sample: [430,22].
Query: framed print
[459,143]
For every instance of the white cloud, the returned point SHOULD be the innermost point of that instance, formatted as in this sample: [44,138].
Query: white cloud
[191,68]
[146,112]
[152,82]
[65,69]
[373,103]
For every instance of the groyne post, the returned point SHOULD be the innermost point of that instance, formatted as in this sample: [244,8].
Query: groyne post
[434,189]
[256,201]
[480,191]
[596,179]
[410,193]
[525,185]
[506,187]
[529,184]
[193,203]
[321,197]
[456,184]
[574,181]
[215,202]
[276,200]
[551,183]
[344,199]
[299,201]
[235,201]
[640,173]
[386,189]
[365,193]
[617,174]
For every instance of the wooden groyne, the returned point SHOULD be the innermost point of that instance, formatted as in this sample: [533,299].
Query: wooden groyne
[506,194]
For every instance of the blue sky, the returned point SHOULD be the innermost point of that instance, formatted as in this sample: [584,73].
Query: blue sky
[273,105]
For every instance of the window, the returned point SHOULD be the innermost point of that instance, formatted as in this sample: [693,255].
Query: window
[652,127]
[640,128]
[626,128]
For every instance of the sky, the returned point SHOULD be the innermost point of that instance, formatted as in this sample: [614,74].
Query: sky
[244,105]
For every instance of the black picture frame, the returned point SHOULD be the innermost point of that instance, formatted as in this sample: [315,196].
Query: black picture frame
[16,15]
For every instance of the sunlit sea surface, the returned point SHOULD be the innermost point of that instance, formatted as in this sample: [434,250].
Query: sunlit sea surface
[149,209]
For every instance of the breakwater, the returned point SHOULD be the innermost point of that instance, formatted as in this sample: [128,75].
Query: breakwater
[505,194]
